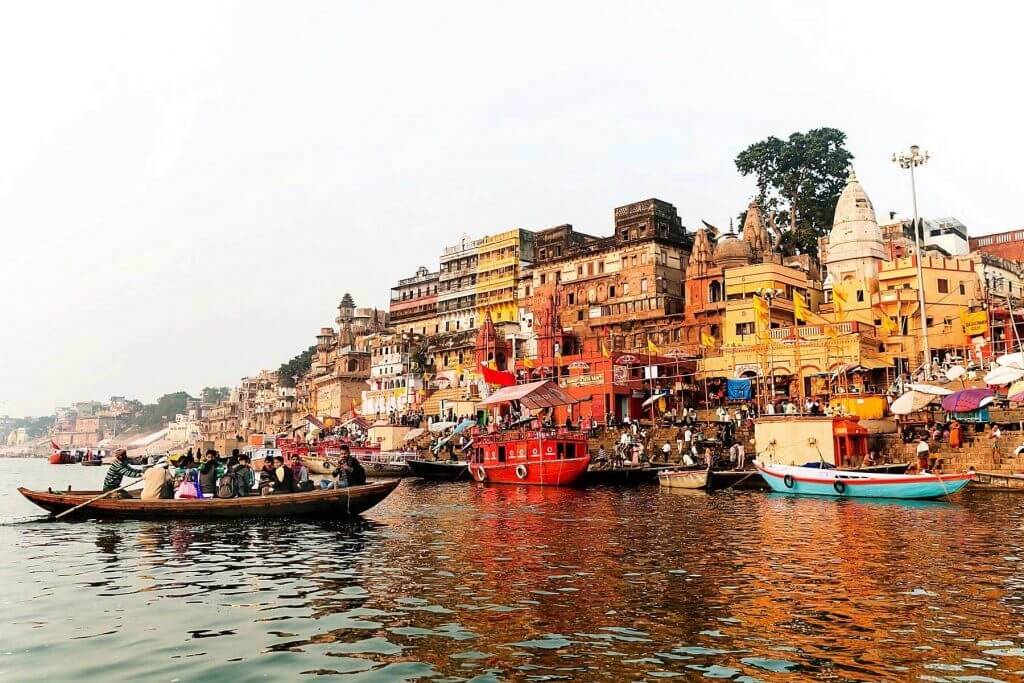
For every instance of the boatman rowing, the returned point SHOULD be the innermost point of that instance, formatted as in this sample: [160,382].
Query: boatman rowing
[119,469]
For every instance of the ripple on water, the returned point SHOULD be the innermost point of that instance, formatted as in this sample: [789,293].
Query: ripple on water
[465,582]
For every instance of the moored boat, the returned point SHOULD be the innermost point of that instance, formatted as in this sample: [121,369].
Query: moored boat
[623,476]
[684,479]
[851,484]
[445,470]
[386,464]
[332,502]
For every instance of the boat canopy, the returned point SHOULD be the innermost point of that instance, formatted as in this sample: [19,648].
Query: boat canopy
[463,426]
[535,395]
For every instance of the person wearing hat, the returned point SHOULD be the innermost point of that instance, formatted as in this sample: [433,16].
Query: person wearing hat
[922,453]
[119,469]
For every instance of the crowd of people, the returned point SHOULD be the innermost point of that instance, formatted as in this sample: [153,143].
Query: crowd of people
[195,475]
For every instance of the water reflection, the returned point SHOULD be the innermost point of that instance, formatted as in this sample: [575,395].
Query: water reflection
[469,582]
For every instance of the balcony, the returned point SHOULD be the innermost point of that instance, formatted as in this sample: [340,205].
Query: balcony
[895,296]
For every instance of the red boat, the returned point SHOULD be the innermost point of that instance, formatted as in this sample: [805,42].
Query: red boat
[543,457]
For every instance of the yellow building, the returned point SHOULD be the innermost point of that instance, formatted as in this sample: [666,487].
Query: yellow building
[498,263]
[772,283]
[950,287]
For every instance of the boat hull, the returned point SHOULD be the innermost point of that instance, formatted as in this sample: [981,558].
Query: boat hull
[623,476]
[329,503]
[554,472]
[684,479]
[440,470]
[846,484]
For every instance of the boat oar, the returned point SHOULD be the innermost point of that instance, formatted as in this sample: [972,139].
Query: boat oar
[93,500]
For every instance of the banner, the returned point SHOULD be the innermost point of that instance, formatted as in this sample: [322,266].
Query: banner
[975,324]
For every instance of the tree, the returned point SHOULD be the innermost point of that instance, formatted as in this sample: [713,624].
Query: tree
[799,179]
[156,415]
[215,394]
[297,366]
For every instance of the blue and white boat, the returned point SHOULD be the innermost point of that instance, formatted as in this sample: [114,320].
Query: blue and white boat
[812,481]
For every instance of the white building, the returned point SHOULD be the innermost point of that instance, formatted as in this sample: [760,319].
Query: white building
[392,384]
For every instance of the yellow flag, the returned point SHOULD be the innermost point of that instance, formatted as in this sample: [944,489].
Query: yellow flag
[830,331]
[706,340]
[760,313]
[800,307]
[528,363]
[651,348]
[604,350]
[887,324]
[839,300]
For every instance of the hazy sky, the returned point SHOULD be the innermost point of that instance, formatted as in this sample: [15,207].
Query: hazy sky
[187,189]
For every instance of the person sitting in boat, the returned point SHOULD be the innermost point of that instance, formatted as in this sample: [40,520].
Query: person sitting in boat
[157,483]
[267,477]
[283,481]
[118,470]
[208,472]
[300,474]
[871,459]
[245,478]
[356,473]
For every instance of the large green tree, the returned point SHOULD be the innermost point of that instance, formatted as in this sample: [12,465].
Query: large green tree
[215,394]
[799,179]
[296,367]
[156,415]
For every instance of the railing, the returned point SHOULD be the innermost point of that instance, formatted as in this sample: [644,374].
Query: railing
[559,434]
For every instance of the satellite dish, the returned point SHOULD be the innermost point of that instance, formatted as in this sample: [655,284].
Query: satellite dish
[955,373]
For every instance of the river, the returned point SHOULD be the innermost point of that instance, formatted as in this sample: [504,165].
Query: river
[452,582]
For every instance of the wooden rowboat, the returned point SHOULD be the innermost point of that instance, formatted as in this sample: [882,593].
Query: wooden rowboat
[444,470]
[330,503]
[684,479]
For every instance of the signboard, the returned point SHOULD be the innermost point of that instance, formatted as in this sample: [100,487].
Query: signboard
[620,374]
[974,324]
[587,380]
[651,372]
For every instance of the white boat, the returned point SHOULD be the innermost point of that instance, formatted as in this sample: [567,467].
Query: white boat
[387,463]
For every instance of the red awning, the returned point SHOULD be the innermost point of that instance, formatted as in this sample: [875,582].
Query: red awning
[535,395]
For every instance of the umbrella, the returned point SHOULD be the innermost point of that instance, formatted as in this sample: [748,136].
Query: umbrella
[655,397]
[967,400]
[955,373]
[438,427]
[1011,360]
[910,402]
[930,389]
[1003,374]
[1016,392]
[463,426]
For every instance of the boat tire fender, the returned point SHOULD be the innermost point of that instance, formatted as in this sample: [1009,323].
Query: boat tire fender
[839,485]
[521,471]
[788,481]
[481,473]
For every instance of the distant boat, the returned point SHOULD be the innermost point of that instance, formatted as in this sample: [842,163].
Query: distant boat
[846,484]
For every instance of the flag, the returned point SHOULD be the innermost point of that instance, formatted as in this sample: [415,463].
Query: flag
[800,307]
[54,445]
[604,350]
[839,300]
[760,312]
[888,325]
[651,348]
[706,340]
[830,332]
[499,377]
[528,363]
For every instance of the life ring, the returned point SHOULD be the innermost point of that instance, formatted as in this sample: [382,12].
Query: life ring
[788,481]
[481,473]
[839,486]
[521,471]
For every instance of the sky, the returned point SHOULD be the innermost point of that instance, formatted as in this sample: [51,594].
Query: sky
[187,189]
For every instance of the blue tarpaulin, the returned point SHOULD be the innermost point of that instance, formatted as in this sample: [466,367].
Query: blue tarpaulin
[738,389]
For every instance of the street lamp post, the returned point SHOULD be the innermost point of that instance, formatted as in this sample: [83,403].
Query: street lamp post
[909,161]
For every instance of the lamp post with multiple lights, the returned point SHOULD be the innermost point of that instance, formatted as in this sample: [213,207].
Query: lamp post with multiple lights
[909,161]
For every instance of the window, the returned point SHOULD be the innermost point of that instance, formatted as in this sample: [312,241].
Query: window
[570,298]
[543,278]
[590,269]
[963,288]
[625,289]
[943,285]
[579,314]
[744,328]
[600,267]
[643,285]
[527,290]
[611,291]
[860,295]
[579,270]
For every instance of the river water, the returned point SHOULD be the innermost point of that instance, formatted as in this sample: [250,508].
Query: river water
[452,582]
